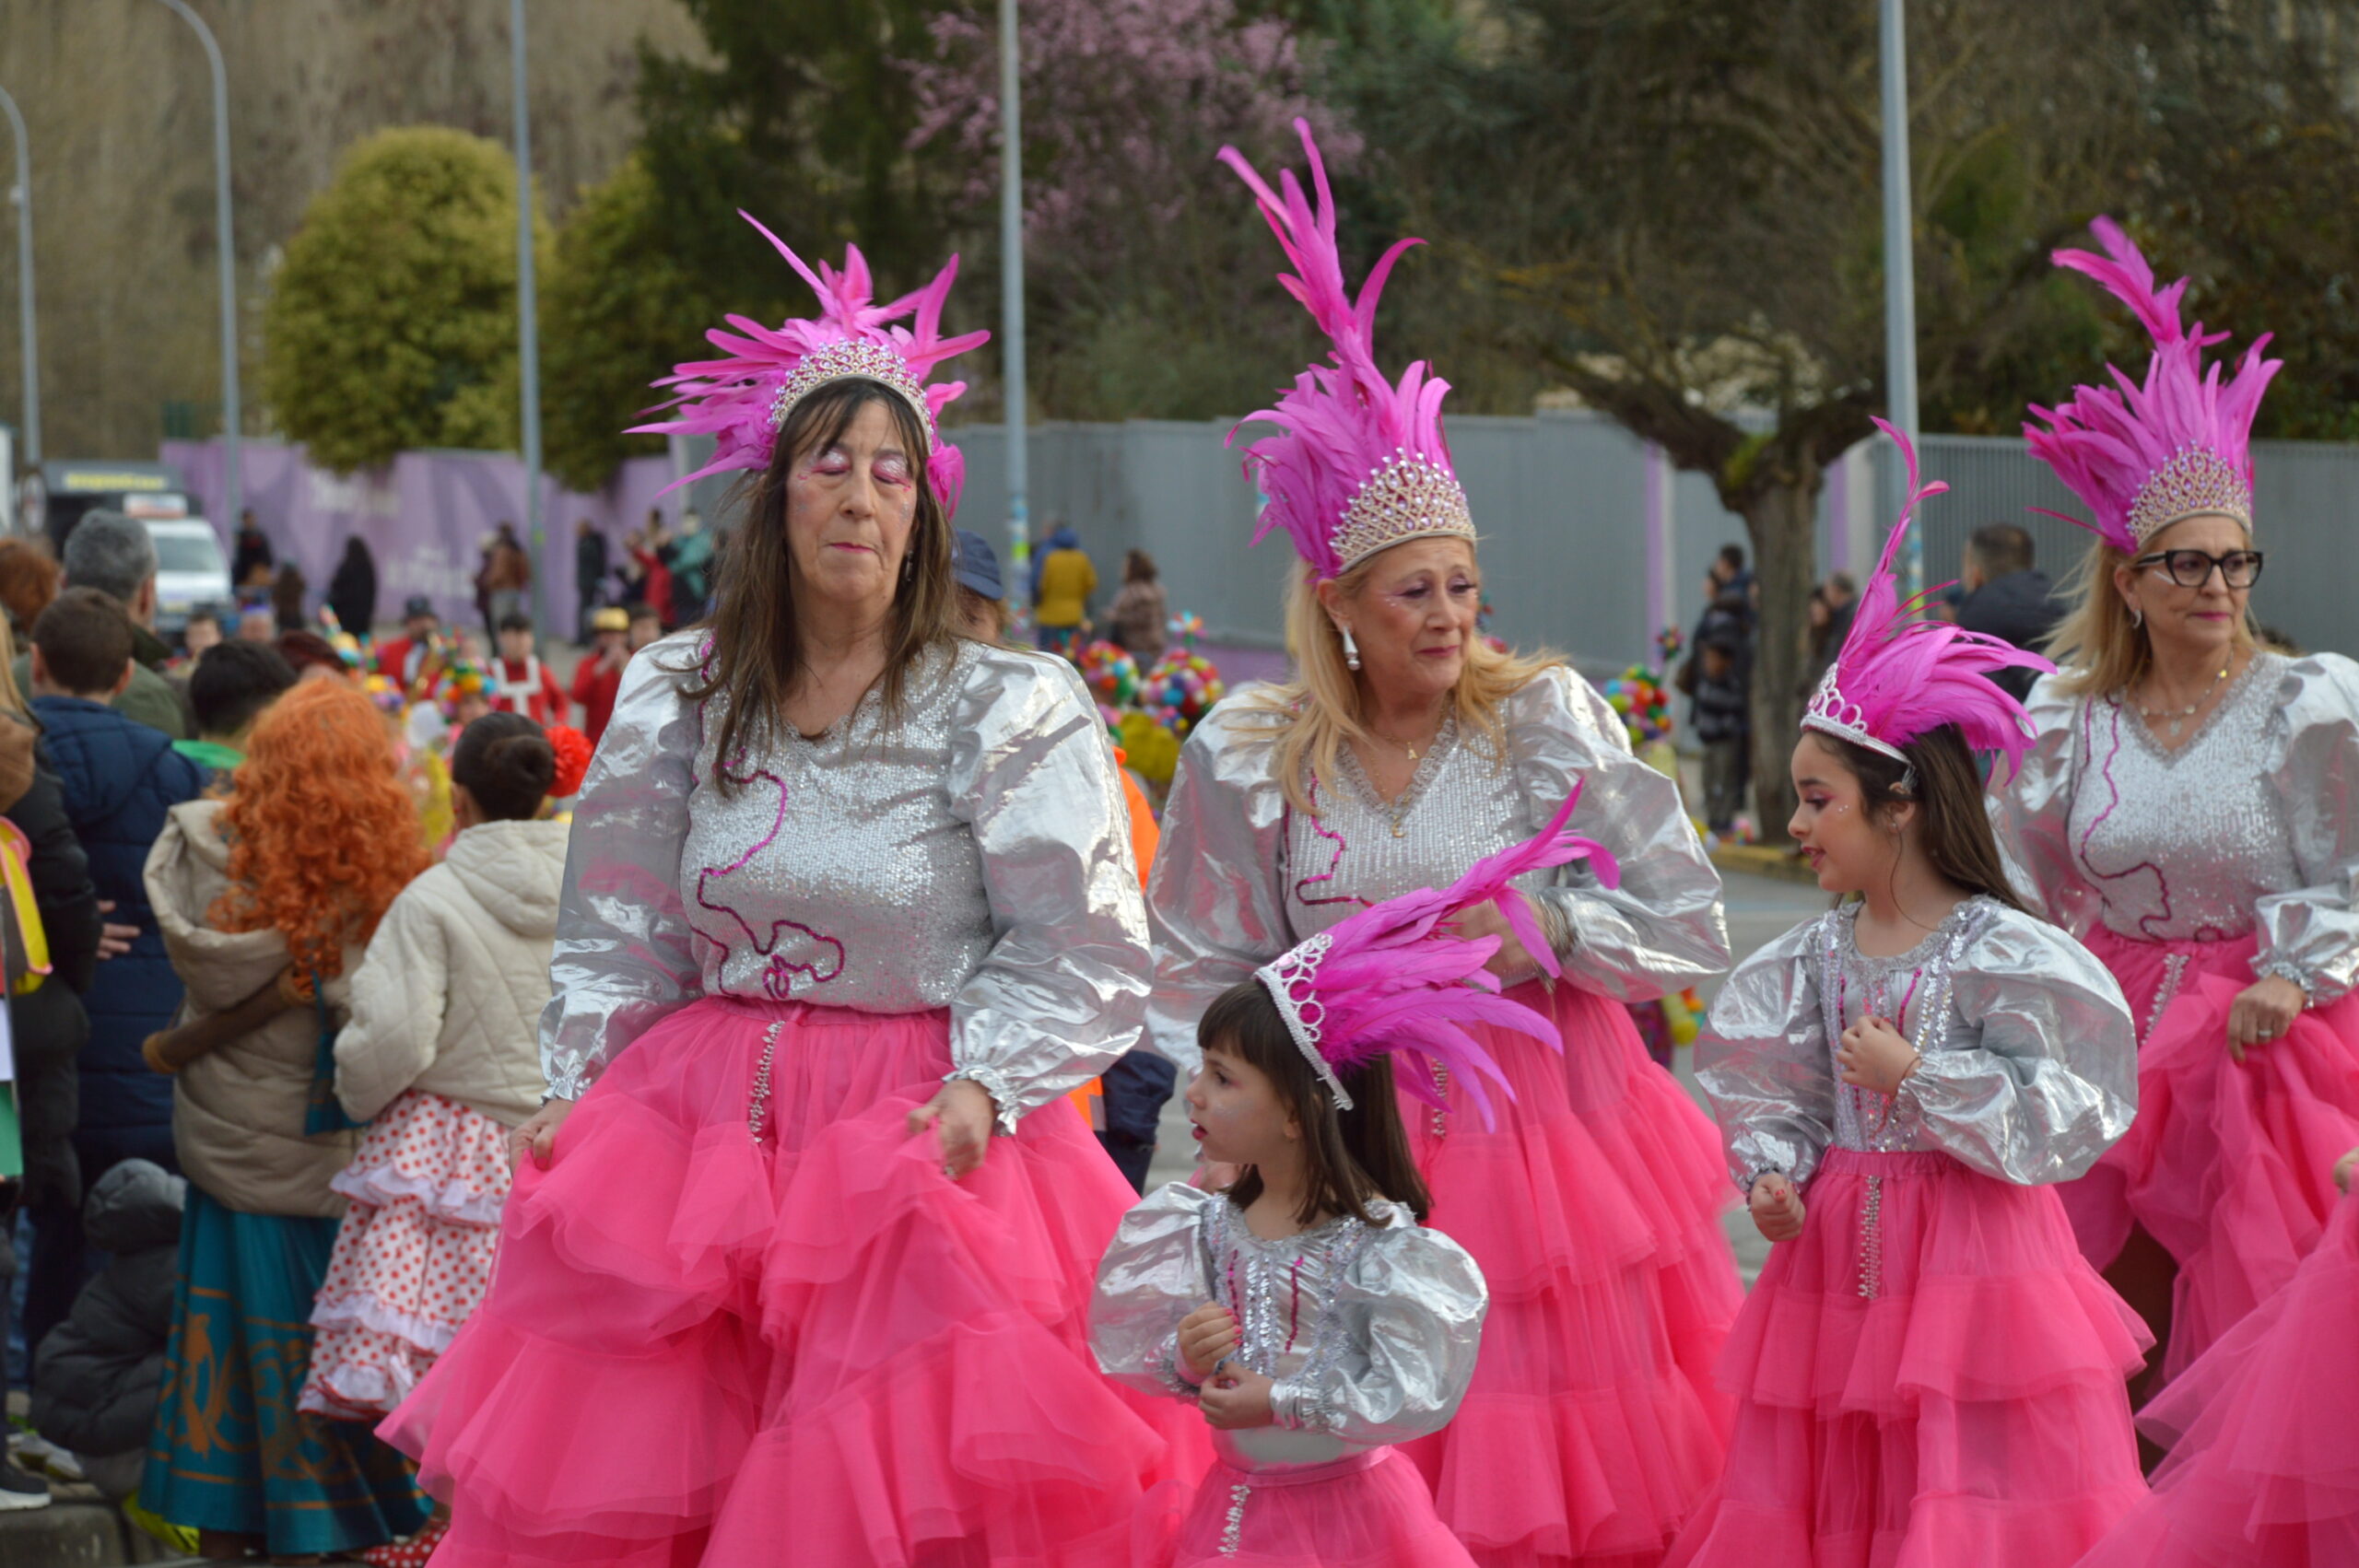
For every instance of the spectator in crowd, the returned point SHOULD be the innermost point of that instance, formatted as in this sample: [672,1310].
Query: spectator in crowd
[352,592]
[267,898]
[109,552]
[2007,597]
[201,631]
[230,688]
[314,656]
[652,583]
[589,576]
[118,780]
[1722,724]
[507,576]
[252,562]
[520,682]
[690,560]
[1139,614]
[29,577]
[983,598]
[287,593]
[1066,580]
[402,660]
[599,676]
[100,1371]
[257,623]
[645,625]
[1832,605]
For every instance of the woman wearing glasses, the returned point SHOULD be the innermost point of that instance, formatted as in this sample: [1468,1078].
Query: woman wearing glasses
[2191,810]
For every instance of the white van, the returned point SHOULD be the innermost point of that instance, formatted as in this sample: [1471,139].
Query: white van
[191,572]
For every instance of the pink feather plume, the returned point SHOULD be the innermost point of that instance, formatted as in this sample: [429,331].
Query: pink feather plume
[730,398]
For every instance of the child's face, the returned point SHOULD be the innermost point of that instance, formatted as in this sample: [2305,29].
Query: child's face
[1235,1112]
[1839,838]
[645,630]
[470,707]
[515,645]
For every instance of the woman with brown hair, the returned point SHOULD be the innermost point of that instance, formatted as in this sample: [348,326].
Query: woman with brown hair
[1137,620]
[2188,811]
[1405,749]
[265,900]
[797,1262]
[28,579]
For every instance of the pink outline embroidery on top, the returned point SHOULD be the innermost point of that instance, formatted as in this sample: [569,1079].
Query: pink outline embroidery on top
[778,975]
[2105,771]
[1320,828]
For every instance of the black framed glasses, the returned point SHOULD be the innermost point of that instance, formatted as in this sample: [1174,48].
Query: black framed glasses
[2192,568]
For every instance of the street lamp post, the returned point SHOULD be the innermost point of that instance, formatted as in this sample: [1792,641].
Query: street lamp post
[1011,308]
[528,348]
[1899,260]
[233,458]
[29,341]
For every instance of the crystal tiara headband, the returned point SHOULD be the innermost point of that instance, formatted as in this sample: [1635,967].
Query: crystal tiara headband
[1288,980]
[1829,714]
[844,361]
[2195,482]
[1405,496]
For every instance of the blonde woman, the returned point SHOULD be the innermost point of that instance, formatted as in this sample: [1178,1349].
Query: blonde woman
[1405,751]
[2188,811]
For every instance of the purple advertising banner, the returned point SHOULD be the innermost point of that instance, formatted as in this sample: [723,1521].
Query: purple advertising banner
[426,518]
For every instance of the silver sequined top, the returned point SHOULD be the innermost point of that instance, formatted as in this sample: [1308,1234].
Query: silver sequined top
[1368,1331]
[2252,823]
[1240,877]
[2030,1066]
[975,855]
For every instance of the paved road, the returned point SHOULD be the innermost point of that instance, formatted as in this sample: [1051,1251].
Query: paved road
[1760,910]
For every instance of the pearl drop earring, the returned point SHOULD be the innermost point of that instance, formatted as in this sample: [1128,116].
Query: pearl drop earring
[1351,649]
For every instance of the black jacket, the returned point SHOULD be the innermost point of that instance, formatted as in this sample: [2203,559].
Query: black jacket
[352,592]
[47,1025]
[98,1374]
[2020,608]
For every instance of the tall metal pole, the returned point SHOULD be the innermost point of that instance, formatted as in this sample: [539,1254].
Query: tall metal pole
[1011,310]
[1899,259]
[528,318]
[28,339]
[233,474]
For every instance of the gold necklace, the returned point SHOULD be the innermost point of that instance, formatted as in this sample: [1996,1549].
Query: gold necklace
[2177,719]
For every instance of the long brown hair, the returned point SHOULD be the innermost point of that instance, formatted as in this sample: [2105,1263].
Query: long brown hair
[1954,826]
[1349,1156]
[756,656]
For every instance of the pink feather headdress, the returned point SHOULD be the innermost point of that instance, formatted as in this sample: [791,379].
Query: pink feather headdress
[2145,456]
[1360,463]
[1388,978]
[1897,677]
[740,400]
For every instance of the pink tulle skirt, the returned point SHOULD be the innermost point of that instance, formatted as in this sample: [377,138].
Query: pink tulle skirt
[1371,1510]
[1930,1377]
[2229,1164]
[2264,1433]
[413,1257]
[703,1348]
[1592,1428]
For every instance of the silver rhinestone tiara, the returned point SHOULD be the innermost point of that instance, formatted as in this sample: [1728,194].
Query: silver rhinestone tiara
[844,358]
[2196,479]
[1405,496]
[1830,714]
[1288,980]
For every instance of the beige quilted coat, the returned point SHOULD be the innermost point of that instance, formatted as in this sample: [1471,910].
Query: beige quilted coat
[448,997]
[238,1113]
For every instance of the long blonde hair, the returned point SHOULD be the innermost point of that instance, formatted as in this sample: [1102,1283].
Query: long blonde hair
[1321,707]
[2097,648]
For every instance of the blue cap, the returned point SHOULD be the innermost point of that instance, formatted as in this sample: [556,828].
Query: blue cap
[977,568]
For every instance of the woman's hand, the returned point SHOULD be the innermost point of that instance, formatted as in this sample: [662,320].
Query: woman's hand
[2343,1169]
[963,1113]
[2263,1011]
[1236,1400]
[1777,1207]
[1513,963]
[1206,1335]
[1875,1056]
[537,1136]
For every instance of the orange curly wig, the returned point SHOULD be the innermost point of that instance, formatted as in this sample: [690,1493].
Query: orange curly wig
[322,833]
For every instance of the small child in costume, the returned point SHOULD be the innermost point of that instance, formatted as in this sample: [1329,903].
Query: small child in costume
[2263,1430]
[1929,1374]
[1305,1309]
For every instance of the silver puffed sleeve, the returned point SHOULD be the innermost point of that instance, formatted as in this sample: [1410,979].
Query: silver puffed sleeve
[2310,935]
[1663,929]
[1215,902]
[1409,1318]
[1762,1059]
[1063,990]
[1153,1274]
[2045,1077]
[625,954]
[2031,813]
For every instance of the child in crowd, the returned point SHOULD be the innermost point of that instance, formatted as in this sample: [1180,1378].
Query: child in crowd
[599,676]
[232,685]
[646,625]
[520,682]
[1723,726]
[1304,1309]
[1928,1371]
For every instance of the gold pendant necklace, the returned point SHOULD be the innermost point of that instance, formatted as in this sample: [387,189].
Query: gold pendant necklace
[2177,719]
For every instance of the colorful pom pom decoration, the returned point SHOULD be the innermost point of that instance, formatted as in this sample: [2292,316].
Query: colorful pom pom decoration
[574,752]
[1180,690]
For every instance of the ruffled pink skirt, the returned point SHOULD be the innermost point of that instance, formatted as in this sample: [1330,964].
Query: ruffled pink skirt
[413,1258]
[1368,1511]
[2228,1165]
[1930,1377]
[2263,1431]
[815,1348]
[1592,1429]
